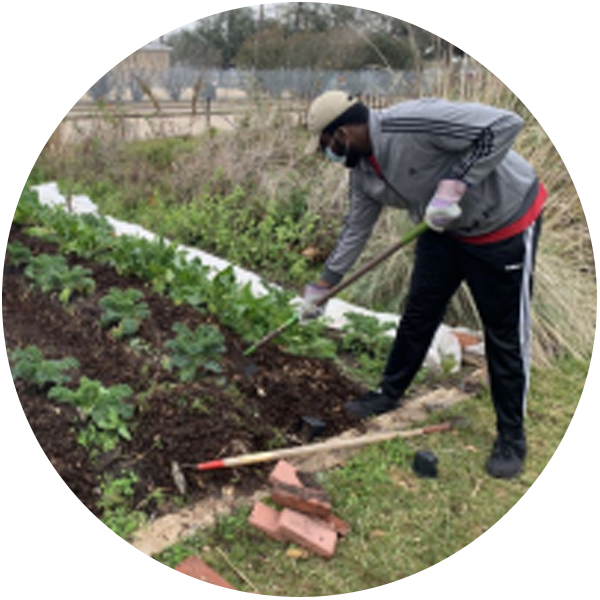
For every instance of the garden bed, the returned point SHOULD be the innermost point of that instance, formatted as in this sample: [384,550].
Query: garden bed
[235,411]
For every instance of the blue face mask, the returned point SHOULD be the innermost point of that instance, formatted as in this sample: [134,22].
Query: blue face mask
[333,157]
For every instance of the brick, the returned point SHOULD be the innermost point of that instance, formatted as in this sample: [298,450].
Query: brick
[338,525]
[266,519]
[465,339]
[309,532]
[307,500]
[201,581]
[284,473]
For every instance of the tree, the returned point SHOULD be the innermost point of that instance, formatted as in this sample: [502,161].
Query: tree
[194,49]
[306,35]
[102,88]
[227,32]
[313,16]
[177,79]
[339,48]
[268,48]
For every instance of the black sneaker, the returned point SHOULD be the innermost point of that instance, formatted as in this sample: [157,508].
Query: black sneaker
[506,459]
[372,403]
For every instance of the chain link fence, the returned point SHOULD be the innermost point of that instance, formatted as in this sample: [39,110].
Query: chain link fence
[177,83]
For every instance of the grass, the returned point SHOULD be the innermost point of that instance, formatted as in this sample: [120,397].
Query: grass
[401,524]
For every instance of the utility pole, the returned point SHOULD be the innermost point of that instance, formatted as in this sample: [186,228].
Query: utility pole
[84,10]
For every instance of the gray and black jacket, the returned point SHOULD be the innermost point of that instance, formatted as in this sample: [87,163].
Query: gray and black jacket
[418,143]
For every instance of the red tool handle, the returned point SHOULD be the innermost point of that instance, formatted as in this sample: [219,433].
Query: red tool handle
[13,557]
[437,428]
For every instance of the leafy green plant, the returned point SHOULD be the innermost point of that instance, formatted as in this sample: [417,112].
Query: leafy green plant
[28,207]
[76,280]
[198,351]
[116,502]
[190,284]
[52,274]
[261,234]
[365,334]
[18,254]
[365,340]
[117,491]
[153,261]
[87,235]
[104,409]
[45,270]
[29,365]
[123,311]
[238,308]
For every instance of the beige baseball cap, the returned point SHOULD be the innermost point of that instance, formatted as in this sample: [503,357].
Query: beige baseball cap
[323,111]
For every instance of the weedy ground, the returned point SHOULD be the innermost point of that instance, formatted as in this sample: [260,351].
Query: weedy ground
[401,524]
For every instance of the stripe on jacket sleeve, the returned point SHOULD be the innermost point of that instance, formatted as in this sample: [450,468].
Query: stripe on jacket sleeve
[432,126]
[481,138]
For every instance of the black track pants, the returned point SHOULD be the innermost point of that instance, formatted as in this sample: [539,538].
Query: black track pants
[500,277]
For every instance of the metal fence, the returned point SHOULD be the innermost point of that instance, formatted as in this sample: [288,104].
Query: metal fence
[176,82]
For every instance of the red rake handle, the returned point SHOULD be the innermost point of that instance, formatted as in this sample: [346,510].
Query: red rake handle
[13,557]
[382,436]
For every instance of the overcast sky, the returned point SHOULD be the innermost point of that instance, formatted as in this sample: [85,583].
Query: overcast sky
[125,18]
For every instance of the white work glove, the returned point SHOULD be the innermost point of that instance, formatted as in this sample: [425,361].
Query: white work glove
[444,208]
[308,310]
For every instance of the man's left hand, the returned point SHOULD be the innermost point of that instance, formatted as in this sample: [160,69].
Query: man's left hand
[444,207]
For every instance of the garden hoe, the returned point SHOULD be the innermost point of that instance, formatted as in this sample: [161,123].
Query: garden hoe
[329,446]
[407,239]
[13,557]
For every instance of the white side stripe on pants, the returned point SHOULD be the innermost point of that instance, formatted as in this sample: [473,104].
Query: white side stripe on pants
[525,309]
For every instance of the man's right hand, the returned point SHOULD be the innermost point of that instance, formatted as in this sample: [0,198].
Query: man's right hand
[309,309]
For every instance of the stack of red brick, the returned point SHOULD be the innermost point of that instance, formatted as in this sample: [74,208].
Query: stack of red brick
[305,518]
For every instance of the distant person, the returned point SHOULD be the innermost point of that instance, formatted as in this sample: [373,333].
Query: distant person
[593,112]
[451,165]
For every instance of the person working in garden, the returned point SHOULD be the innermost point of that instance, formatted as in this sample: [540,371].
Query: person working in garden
[451,165]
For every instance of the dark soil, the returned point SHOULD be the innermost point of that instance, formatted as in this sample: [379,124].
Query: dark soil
[240,412]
